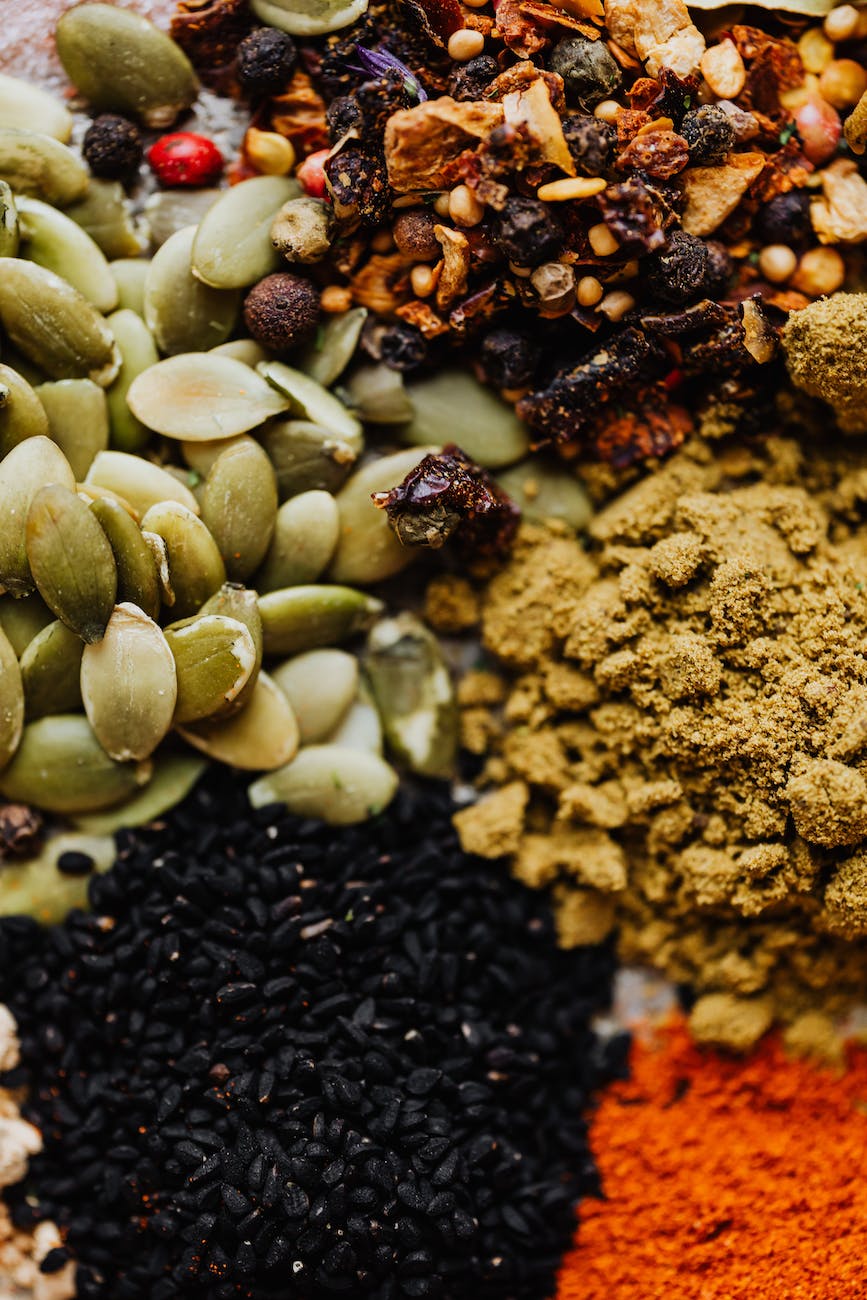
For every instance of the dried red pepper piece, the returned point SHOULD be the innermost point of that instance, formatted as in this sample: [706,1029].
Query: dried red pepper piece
[653,426]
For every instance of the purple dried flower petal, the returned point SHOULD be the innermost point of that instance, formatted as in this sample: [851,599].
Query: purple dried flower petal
[378,62]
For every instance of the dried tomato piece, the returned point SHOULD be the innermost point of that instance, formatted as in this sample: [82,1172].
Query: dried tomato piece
[653,426]
[519,32]
[659,153]
[299,114]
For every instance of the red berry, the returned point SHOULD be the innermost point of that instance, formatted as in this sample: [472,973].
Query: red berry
[311,173]
[820,128]
[184,158]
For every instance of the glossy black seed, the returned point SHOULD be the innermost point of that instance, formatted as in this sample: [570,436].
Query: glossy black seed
[73,863]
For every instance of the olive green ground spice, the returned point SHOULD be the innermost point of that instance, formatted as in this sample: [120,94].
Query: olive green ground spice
[682,750]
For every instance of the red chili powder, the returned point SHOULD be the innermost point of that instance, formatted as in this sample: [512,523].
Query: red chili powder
[726,1180]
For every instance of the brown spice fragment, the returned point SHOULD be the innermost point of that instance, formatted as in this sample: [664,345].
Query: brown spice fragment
[455,268]
[382,284]
[855,126]
[421,143]
[520,33]
[451,604]
[299,114]
[209,32]
[531,108]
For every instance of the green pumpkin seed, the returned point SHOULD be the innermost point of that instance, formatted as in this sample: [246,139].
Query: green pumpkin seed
[129,275]
[22,415]
[160,553]
[106,214]
[320,685]
[235,601]
[174,776]
[200,456]
[62,246]
[11,701]
[71,561]
[168,211]
[77,418]
[341,786]
[129,685]
[412,688]
[246,350]
[196,568]
[27,107]
[362,726]
[334,346]
[546,491]
[9,233]
[21,619]
[23,473]
[55,326]
[233,248]
[50,668]
[262,737]
[38,164]
[310,401]
[137,353]
[137,581]
[309,17]
[306,457]
[215,658]
[479,421]
[239,505]
[378,394]
[183,314]
[305,535]
[198,396]
[138,481]
[36,887]
[123,63]
[367,550]
[61,767]
[303,618]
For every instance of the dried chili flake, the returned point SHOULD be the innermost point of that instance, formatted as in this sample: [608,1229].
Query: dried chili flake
[299,114]
[520,32]
[653,426]
[773,66]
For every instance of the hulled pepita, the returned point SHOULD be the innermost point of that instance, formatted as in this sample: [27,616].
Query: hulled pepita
[121,62]
[235,601]
[340,785]
[233,248]
[196,568]
[11,701]
[36,886]
[321,686]
[139,481]
[379,395]
[306,617]
[479,421]
[200,456]
[305,535]
[200,396]
[71,561]
[182,313]
[38,164]
[137,353]
[129,685]
[60,766]
[239,506]
[9,233]
[23,618]
[22,415]
[174,776]
[306,457]
[106,215]
[137,581]
[129,275]
[168,211]
[362,726]
[367,549]
[413,691]
[263,736]
[50,668]
[160,552]
[77,418]
[326,358]
[54,241]
[54,325]
[309,17]
[246,350]
[215,658]
[23,472]
[30,108]
[310,401]
[544,491]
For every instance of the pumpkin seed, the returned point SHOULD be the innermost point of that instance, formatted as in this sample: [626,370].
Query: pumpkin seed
[23,472]
[309,17]
[326,358]
[183,314]
[306,457]
[235,601]
[137,353]
[123,63]
[90,492]
[160,553]
[138,481]
[239,505]
[168,211]
[22,415]
[196,568]
[544,491]
[263,736]
[61,245]
[305,535]
[77,414]
[379,395]
[61,767]
[339,785]
[11,701]
[38,164]
[367,549]
[215,658]
[129,685]
[200,456]
[246,350]
[137,581]
[21,619]
[174,776]
[129,275]
[71,561]
[303,618]
[27,107]
[413,691]
[53,324]
[9,233]
[50,668]
[311,401]
[198,397]
[233,248]
[36,887]
[320,685]
[106,214]
[479,421]
[362,726]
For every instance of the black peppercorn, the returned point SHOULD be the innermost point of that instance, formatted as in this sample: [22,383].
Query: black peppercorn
[282,311]
[719,269]
[786,220]
[679,272]
[402,346]
[112,147]
[510,358]
[709,132]
[358,184]
[590,142]
[266,61]
[528,232]
[470,80]
[589,72]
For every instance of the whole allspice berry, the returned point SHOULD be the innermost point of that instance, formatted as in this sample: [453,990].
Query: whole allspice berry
[112,147]
[413,233]
[282,311]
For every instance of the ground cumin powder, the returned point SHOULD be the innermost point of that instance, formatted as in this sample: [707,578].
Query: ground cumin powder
[682,748]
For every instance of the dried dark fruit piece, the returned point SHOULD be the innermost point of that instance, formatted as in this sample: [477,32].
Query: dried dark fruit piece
[510,358]
[359,189]
[282,311]
[679,272]
[667,95]
[589,72]
[528,232]
[437,19]
[652,426]
[266,60]
[397,344]
[709,132]
[634,215]
[470,80]
[591,143]
[112,147]
[786,220]
[344,119]
[209,32]
[719,268]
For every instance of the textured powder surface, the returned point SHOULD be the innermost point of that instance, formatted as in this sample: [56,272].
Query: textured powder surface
[688,714]
[824,346]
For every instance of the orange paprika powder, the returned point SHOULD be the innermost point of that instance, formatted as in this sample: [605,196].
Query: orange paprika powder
[726,1179]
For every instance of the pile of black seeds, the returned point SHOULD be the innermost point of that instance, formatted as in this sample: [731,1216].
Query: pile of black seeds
[281,1059]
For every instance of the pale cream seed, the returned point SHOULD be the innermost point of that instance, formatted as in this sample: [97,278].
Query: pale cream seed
[578,187]
[841,23]
[464,208]
[465,44]
[589,291]
[608,111]
[815,49]
[843,83]
[616,304]
[820,271]
[422,280]
[777,262]
[441,204]
[335,298]
[601,240]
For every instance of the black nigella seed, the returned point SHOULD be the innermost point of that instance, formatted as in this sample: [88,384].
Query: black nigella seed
[73,863]
[381,1108]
